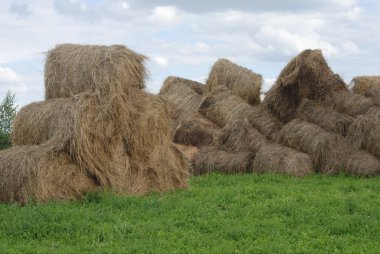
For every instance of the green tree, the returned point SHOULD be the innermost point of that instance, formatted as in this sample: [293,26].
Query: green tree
[7,114]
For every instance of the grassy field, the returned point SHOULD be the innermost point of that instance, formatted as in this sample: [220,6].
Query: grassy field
[218,214]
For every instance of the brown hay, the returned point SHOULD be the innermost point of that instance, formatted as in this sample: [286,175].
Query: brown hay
[182,100]
[326,118]
[239,136]
[195,86]
[135,158]
[326,149]
[365,133]
[208,160]
[349,103]
[195,130]
[306,76]
[362,84]
[374,94]
[241,81]
[281,159]
[188,151]
[362,163]
[106,70]
[35,173]
[374,112]
[221,106]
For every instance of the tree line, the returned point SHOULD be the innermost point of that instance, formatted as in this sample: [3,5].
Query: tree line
[8,111]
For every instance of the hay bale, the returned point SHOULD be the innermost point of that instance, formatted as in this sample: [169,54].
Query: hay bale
[221,106]
[107,70]
[276,158]
[195,130]
[326,118]
[374,94]
[188,151]
[239,80]
[36,173]
[78,126]
[209,160]
[362,163]
[364,132]
[326,149]
[239,136]
[362,84]
[197,87]
[133,158]
[374,112]
[305,76]
[182,100]
[349,103]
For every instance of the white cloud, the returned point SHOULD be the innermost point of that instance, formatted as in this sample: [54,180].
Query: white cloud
[7,74]
[201,47]
[161,61]
[280,40]
[165,14]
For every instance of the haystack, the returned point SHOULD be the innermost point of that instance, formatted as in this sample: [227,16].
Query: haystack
[365,133]
[239,80]
[362,84]
[221,106]
[306,76]
[195,130]
[326,118]
[36,173]
[276,158]
[209,160]
[136,158]
[330,152]
[182,99]
[72,69]
[239,136]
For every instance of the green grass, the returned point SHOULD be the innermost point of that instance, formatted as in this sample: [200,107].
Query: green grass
[218,214]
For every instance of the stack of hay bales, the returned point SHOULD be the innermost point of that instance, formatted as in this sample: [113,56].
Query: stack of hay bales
[308,121]
[97,125]
[243,130]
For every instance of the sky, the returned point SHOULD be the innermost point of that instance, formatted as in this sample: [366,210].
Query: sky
[184,38]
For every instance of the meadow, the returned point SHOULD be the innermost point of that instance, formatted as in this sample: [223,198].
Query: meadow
[244,213]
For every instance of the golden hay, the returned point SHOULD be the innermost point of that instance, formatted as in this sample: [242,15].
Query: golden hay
[209,160]
[326,118]
[136,158]
[362,84]
[106,70]
[365,133]
[241,81]
[36,173]
[280,159]
[221,106]
[239,136]
[195,130]
[306,76]
[182,100]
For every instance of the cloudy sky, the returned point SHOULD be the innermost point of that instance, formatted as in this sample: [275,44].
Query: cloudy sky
[184,38]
